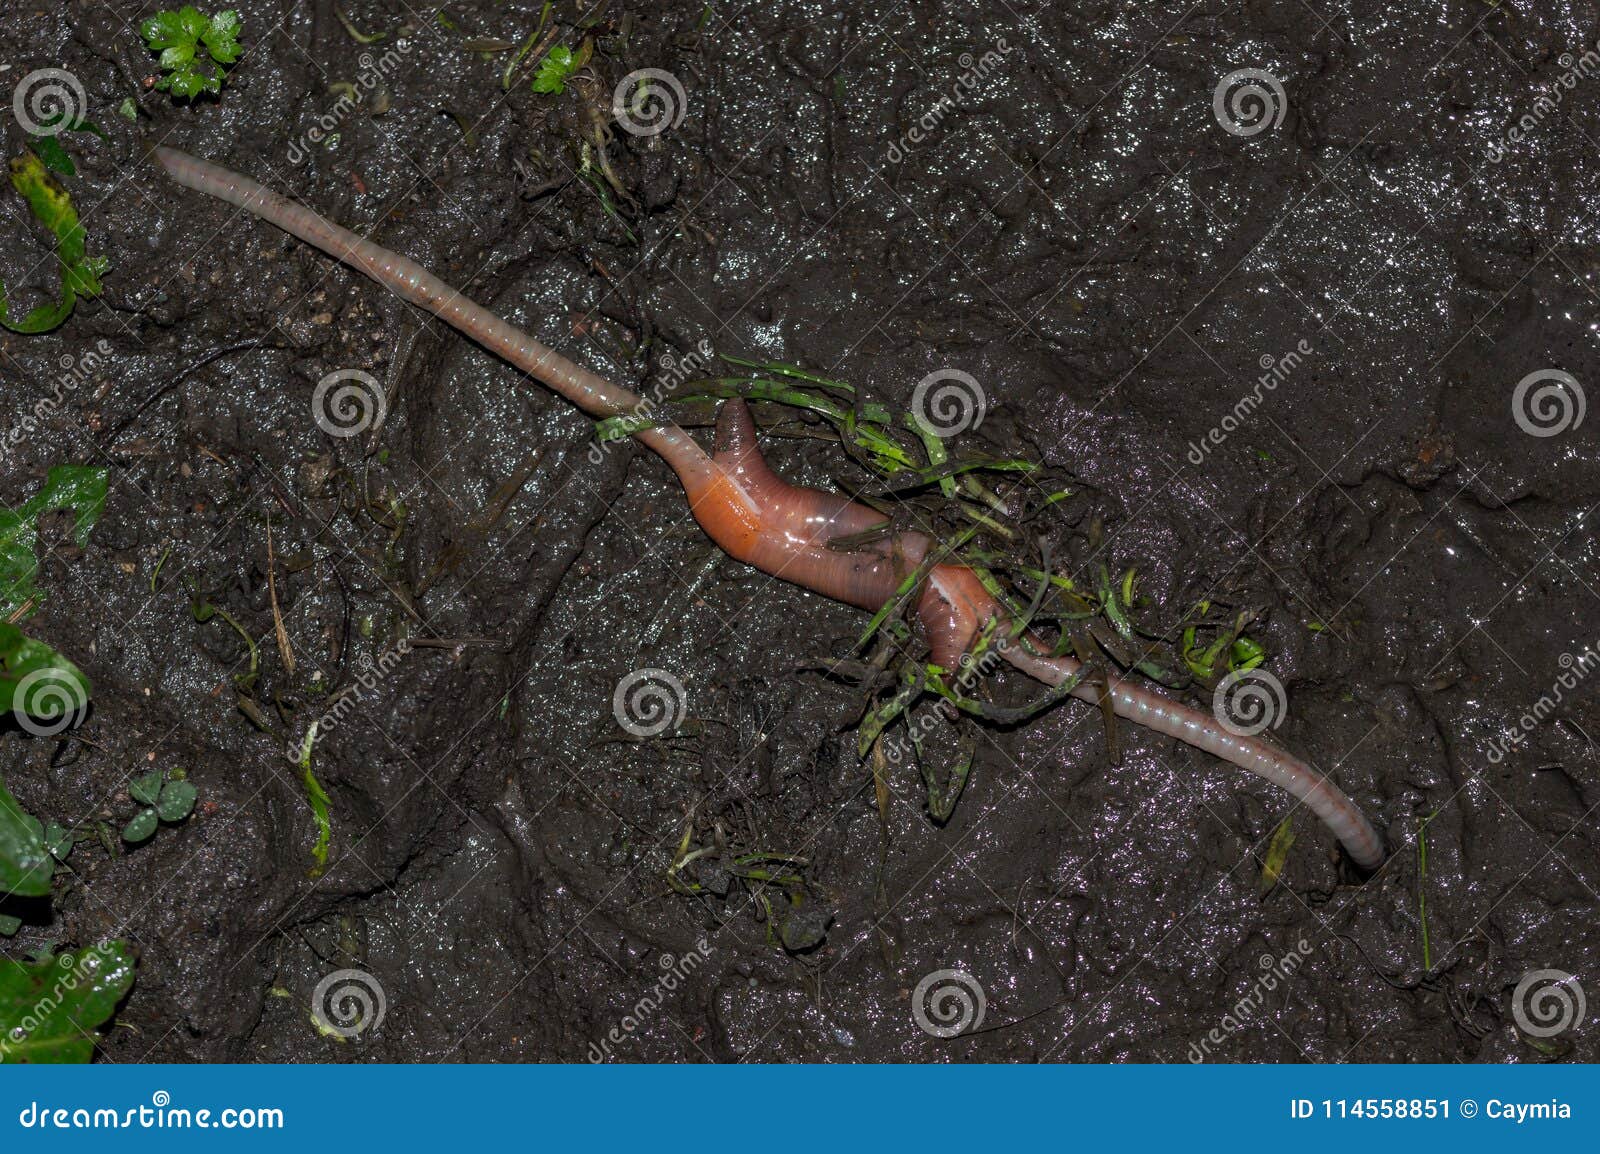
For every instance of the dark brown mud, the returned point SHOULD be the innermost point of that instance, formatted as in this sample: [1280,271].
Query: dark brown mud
[1043,196]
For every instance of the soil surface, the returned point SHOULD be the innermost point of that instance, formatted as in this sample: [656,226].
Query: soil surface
[1066,202]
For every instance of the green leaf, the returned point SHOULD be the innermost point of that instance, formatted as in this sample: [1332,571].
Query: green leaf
[193,23]
[25,862]
[51,205]
[9,924]
[162,30]
[319,811]
[186,84]
[1246,654]
[224,52]
[53,154]
[222,37]
[140,828]
[49,146]
[83,279]
[176,801]
[58,840]
[178,57]
[36,681]
[146,788]
[80,488]
[1277,855]
[50,1008]
[554,70]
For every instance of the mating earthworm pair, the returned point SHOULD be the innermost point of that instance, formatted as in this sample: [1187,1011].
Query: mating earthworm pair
[781,529]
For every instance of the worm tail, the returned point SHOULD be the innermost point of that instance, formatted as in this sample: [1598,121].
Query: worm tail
[1341,815]
[411,282]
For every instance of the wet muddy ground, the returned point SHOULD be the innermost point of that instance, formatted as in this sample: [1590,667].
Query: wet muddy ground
[1066,202]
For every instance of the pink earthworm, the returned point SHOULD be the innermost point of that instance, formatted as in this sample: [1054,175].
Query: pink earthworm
[785,530]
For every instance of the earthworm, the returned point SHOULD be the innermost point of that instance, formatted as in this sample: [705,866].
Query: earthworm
[785,530]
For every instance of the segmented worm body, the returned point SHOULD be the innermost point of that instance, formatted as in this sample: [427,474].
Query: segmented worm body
[757,517]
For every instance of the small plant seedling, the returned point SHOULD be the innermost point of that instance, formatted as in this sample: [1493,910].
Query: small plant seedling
[204,611]
[168,797]
[554,70]
[1243,653]
[194,49]
[559,66]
